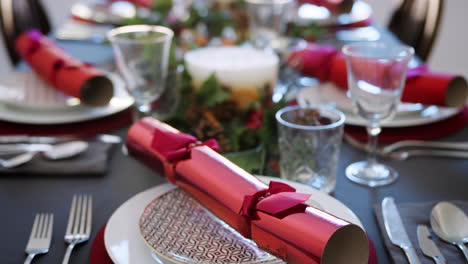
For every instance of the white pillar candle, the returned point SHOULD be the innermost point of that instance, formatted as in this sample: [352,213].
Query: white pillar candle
[244,71]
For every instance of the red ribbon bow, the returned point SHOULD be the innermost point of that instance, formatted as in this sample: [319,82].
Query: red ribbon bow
[278,198]
[175,146]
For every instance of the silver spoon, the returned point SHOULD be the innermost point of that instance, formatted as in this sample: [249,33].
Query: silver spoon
[56,152]
[451,224]
[66,150]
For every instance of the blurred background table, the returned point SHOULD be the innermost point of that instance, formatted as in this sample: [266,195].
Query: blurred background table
[21,196]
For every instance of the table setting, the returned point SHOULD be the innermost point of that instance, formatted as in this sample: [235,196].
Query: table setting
[264,132]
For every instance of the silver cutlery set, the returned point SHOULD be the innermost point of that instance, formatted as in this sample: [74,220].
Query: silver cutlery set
[78,229]
[24,148]
[447,221]
[403,150]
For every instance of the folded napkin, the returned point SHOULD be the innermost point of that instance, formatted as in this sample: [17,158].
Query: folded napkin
[422,86]
[98,253]
[274,216]
[93,161]
[63,72]
[414,214]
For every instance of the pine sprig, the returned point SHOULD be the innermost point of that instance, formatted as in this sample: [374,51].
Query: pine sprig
[211,92]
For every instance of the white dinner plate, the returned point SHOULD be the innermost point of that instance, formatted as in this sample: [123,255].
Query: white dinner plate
[25,98]
[408,114]
[125,245]
[309,13]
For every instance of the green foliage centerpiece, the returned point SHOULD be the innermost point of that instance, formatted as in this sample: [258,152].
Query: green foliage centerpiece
[240,117]
[226,94]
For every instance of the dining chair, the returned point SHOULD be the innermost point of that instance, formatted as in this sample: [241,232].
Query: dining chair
[16,16]
[416,23]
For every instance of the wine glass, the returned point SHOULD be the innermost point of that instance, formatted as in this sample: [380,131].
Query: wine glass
[142,57]
[267,22]
[376,77]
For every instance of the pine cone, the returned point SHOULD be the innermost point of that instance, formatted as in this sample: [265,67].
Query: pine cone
[194,114]
[226,110]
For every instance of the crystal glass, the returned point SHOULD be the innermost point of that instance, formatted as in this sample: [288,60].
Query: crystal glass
[376,77]
[309,145]
[267,21]
[142,57]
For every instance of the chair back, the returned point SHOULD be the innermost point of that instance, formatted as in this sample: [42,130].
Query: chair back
[416,23]
[17,16]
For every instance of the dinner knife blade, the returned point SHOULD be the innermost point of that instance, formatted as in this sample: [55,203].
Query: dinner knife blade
[10,139]
[396,230]
[428,247]
[15,148]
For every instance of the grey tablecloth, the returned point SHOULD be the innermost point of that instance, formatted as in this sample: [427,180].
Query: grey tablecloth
[94,161]
[414,214]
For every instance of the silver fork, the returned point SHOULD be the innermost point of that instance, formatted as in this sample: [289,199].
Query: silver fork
[425,144]
[40,237]
[79,223]
[406,154]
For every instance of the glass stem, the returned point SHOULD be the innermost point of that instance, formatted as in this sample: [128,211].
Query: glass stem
[140,111]
[373,130]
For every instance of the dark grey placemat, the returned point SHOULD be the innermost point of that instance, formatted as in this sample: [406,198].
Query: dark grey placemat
[414,214]
[93,161]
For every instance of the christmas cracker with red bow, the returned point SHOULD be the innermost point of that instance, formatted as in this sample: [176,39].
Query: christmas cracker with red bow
[422,86]
[274,216]
[63,72]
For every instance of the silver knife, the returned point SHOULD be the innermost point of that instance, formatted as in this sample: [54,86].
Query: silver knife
[428,246]
[17,148]
[396,231]
[10,139]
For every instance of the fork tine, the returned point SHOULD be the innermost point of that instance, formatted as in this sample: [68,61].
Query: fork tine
[50,227]
[40,226]
[71,217]
[90,214]
[83,213]
[34,228]
[76,221]
[45,226]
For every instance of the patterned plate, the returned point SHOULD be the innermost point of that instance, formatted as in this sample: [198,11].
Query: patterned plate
[125,244]
[180,230]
